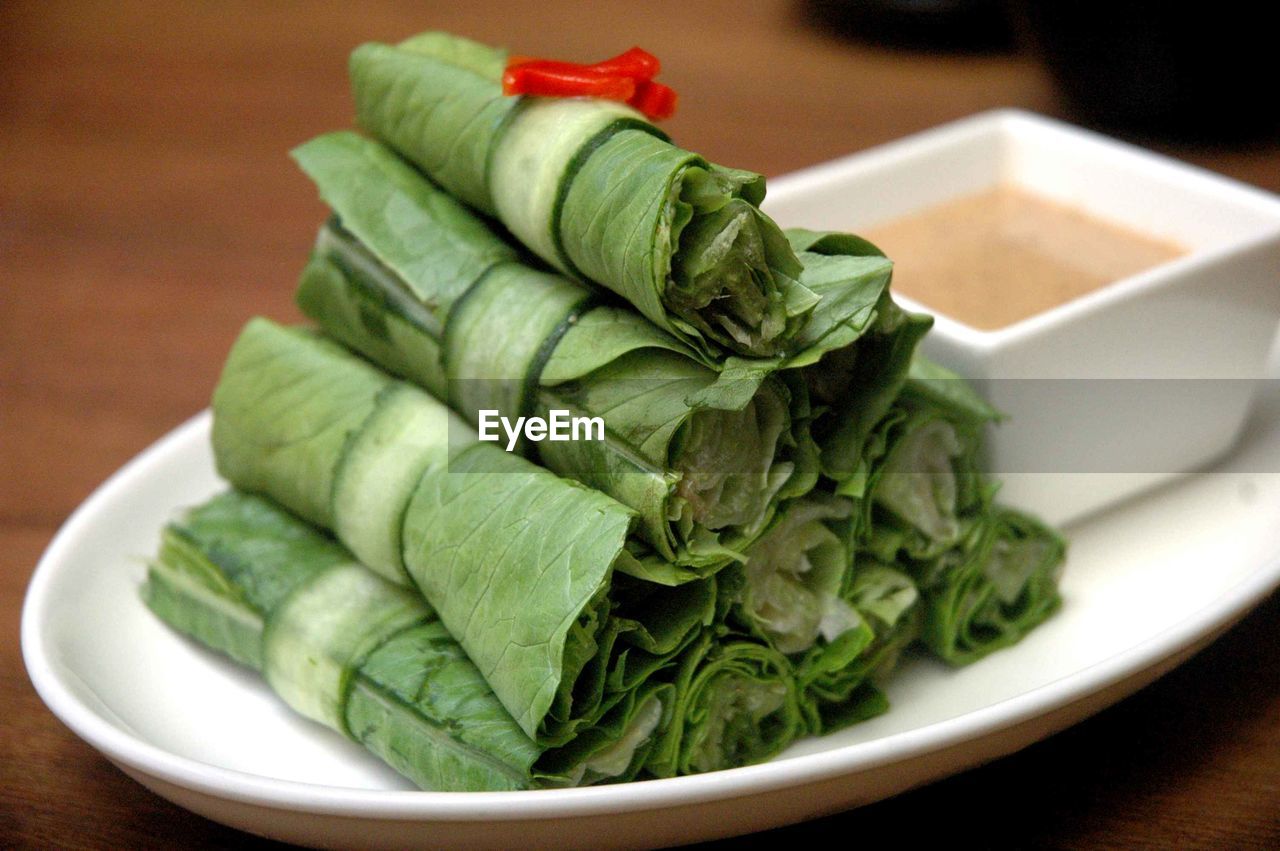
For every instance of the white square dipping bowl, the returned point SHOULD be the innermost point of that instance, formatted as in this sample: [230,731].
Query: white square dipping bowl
[1163,365]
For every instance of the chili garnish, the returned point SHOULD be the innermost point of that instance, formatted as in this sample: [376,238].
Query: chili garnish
[627,77]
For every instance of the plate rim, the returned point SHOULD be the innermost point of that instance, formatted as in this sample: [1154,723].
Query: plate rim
[230,784]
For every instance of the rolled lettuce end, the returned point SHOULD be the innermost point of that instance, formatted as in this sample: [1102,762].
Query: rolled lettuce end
[840,679]
[736,703]
[684,241]
[731,468]
[733,276]
[922,485]
[990,591]
[922,488]
[790,588]
[703,456]
[616,749]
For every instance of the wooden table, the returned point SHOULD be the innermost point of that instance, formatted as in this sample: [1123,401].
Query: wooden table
[147,209]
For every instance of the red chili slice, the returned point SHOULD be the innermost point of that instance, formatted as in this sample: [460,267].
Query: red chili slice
[534,79]
[626,77]
[655,100]
[637,63]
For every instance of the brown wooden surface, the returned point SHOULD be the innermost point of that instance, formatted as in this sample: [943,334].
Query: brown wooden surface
[147,208]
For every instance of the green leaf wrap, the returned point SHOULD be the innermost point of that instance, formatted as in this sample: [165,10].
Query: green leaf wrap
[436,95]
[840,678]
[593,189]
[791,593]
[231,571]
[842,620]
[924,486]
[993,588]
[683,241]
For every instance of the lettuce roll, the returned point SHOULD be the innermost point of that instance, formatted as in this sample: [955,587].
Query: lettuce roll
[518,563]
[594,189]
[366,657]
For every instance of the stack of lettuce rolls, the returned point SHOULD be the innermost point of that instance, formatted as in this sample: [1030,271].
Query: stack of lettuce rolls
[784,499]
[527,571]
[702,449]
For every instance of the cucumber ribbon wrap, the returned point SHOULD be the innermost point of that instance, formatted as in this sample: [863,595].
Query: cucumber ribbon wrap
[369,658]
[703,451]
[594,189]
[517,562]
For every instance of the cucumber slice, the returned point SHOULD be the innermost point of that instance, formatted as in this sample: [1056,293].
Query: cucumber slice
[537,156]
[314,642]
[527,310]
[407,433]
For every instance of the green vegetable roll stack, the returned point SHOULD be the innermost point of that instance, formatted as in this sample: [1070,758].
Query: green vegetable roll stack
[412,280]
[773,496]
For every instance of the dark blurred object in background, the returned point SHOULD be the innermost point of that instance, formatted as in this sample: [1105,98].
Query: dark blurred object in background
[954,25]
[1200,72]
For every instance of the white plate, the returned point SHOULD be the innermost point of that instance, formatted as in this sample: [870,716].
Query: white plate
[1147,584]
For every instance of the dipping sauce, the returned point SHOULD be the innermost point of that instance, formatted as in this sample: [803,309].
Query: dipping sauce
[1005,254]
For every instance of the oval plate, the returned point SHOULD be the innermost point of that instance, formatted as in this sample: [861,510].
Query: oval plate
[1147,584]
